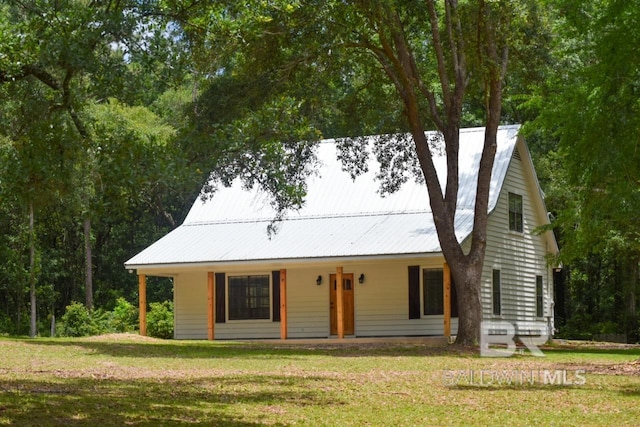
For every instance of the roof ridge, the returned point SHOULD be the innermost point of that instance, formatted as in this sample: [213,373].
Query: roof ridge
[307,217]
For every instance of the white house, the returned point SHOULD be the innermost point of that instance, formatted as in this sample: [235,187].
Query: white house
[234,281]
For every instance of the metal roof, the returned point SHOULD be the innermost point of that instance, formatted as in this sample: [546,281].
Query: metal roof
[340,218]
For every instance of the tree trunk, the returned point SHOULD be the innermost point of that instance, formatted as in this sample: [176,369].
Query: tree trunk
[467,279]
[444,110]
[88,270]
[32,271]
[630,289]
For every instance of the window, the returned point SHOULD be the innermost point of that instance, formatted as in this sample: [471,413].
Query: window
[433,293]
[515,212]
[433,298]
[496,294]
[249,297]
[539,297]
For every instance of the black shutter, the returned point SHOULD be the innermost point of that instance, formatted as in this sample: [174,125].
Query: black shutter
[220,298]
[414,292]
[275,280]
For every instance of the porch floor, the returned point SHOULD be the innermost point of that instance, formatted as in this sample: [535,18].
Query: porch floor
[435,341]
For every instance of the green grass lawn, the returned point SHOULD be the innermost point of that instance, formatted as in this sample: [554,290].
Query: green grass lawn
[129,380]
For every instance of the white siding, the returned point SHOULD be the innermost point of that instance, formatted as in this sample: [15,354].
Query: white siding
[190,302]
[308,303]
[520,257]
[381,303]
[190,305]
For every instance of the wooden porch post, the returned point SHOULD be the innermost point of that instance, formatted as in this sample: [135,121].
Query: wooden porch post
[339,303]
[211,303]
[283,304]
[446,283]
[142,300]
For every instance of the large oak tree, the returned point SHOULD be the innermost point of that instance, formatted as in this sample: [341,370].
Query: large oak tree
[388,66]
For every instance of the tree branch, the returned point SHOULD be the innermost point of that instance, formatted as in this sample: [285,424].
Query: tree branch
[437,47]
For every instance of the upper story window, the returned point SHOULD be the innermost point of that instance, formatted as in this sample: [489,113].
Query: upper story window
[515,212]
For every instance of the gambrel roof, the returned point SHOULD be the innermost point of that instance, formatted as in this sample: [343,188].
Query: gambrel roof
[340,218]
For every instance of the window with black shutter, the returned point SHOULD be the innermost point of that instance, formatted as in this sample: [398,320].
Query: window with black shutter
[249,297]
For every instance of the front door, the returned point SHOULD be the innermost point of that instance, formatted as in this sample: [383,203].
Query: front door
[347,304]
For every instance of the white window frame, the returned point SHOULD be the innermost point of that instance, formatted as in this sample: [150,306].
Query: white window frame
[509,194]
[228,296]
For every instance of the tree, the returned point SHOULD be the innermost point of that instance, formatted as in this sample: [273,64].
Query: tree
[36,149]
[66,56]
[590,106]
[425,60]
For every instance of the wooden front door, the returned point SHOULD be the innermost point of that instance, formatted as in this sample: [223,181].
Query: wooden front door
[347,304]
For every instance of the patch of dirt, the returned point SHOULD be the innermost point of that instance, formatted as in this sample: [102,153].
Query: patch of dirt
[597,345]
[627,369]
[121,337]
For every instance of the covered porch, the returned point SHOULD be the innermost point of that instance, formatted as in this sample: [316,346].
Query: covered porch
[341,302]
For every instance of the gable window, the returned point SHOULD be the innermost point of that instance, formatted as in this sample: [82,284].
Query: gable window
[539,297]
[496,293]
[515,212]
[249,297]
[433,293]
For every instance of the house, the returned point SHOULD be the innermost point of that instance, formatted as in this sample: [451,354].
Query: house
[232,280]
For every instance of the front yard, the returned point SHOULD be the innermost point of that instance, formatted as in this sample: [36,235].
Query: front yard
[131,380]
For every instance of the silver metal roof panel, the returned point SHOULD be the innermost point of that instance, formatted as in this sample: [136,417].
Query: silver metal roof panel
[340,218]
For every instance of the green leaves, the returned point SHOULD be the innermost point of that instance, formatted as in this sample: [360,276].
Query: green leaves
[593,109]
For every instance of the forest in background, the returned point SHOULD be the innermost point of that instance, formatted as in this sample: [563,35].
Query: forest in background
[116,113]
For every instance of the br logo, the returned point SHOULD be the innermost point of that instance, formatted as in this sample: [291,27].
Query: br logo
[498,338]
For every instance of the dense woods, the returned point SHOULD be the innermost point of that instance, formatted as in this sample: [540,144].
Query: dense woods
[116,113]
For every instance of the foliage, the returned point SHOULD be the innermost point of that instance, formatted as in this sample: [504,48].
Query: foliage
[160,320]
[589,105]
[424,66]
[77,321]
[103,121]
[124,317]
[74,151]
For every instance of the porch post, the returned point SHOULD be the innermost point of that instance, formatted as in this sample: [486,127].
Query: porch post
[283,304]
[339,303]
[142,301]
[446,283]
[211,303]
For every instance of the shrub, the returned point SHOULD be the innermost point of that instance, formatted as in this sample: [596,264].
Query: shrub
[124,317]
[6,325]
[100,321]
[160,320]
[77,321]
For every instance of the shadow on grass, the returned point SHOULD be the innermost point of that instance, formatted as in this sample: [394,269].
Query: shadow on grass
[631,391]
[155,348]
[203,401]
[245,350]
[591,351]
[520,387]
